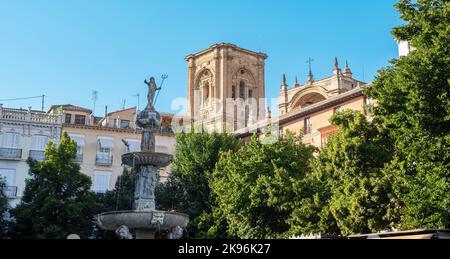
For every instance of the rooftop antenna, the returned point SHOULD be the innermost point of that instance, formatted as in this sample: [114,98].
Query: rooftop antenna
[163,77]
[138,100]
[94,99]
[43,101]
[123,103]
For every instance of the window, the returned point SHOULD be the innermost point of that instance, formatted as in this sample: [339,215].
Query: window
[80,119]
[38,142]
[135,145]
[124,124]
[101,181]
[233,92]
[105,143]
[79,139]
[308,125]
[250,93]
[105,146]
[241,89]
[9,175]
[68,118]
[206,89]
[11,140]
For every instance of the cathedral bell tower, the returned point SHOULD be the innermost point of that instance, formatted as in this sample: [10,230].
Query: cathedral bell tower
[226,87]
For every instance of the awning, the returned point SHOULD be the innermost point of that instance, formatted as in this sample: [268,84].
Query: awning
[78,139]
[106,143]
[135,145]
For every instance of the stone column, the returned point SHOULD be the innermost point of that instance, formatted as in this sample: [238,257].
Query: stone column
[191,86]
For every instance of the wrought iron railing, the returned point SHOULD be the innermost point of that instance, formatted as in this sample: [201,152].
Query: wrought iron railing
[79,158]
[10,153]
[37,155]
[10,191]
[103,159]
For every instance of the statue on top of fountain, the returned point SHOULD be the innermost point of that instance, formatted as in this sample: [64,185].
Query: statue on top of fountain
[149,119]
[152,88]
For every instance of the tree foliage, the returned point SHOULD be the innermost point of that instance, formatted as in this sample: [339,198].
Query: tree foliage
[57,200]
[255,186]
[413,104]
[3,209]
[350,191]
[188,189]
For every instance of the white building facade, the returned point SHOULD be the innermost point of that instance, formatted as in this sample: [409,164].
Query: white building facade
[23,134]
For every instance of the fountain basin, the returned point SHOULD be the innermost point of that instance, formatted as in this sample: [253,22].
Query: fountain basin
[142,220]
[147,158]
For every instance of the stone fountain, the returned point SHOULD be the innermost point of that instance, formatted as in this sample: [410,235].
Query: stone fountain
[144,220]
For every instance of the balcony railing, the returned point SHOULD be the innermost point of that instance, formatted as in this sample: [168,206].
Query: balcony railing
[10,153]
[79,158]
[10,191]
[37,155]
[104,160]
[27,115]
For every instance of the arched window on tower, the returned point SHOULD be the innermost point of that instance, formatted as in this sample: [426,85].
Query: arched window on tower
[233,92]
[242,90]
[205,92]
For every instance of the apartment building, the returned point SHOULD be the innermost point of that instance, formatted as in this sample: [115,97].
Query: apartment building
[23,134]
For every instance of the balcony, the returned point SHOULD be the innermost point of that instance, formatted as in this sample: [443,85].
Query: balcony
[79,158]
[10,191]
[104,159]
[37,155]
[10,153]
[27,115]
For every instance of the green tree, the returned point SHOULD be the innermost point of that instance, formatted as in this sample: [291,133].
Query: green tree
[3,209]
[255,186]
[350,191]
[188,190]
[57,200]
[413,104]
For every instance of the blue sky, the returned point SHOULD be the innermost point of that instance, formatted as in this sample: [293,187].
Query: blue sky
[67,49]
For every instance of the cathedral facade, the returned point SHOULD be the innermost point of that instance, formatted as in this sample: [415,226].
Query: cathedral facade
[226,90]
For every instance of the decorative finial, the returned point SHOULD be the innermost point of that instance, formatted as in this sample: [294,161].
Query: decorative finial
[347,70]
[268,114]
[296,80]
[336,69]
[310,74]
[284,79]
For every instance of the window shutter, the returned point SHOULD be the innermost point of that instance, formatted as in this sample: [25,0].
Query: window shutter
[11,140]
[9,175]
[39,142]
[101,181]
